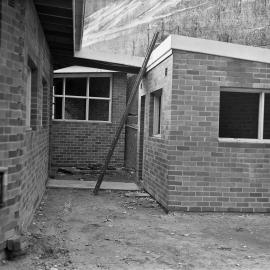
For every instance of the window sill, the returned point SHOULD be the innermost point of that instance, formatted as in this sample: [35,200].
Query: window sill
[81,121]
[28,129]
[254,141]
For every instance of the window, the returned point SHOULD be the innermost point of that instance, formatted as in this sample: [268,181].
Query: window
[28,97]
[1,188]
[31,96]
[244,114]
[155,112]
[82,98]
[44,111]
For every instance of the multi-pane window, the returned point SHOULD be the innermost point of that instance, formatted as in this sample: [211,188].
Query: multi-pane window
[82,98]
[244,114]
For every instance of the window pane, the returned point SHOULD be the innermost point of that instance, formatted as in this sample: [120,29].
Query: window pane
[100,87]
[58,86]
[75,108]
[76,86]
[238,115]
[266,133]
[99,110]
[57,108]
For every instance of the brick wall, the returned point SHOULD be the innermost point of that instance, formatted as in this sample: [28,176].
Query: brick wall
[205,174]
[86,143]
[155,150]
[23,153]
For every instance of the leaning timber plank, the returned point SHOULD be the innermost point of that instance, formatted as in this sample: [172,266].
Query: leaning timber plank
[125,114]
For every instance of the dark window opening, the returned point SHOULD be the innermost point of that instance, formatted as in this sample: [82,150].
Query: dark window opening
[58,105]
[239,114]
[1,188]
[266,132]
[76,86]
[99,110]
[32,95]
[99,87]
[155,112]
[45,106]
[75,108]
[58,86]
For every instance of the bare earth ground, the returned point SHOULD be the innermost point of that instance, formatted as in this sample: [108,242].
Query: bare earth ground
[76,230]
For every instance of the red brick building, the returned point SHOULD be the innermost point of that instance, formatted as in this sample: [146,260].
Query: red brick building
[88,104]
[37,37]
[204,137]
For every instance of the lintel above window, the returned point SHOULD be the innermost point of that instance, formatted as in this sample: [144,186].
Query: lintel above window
[244,115]
[81,98]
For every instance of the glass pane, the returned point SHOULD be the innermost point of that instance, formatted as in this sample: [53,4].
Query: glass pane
[99,87]
[57,108]
[58,86]
[266,132]
[238,116]
[99,110]
[75,108]
[76,86]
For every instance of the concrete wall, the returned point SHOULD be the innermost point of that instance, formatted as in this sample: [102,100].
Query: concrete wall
[204,174]
[23,152]
[86,143]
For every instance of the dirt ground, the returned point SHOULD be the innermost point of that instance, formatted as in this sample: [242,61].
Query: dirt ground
[74,229]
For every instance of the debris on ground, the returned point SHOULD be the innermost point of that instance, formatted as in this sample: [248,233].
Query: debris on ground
[64,171]
[137,194]
[225,248]
[80,231]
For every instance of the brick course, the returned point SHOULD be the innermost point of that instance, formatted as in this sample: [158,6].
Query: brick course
[199,172]
[23,153]
[86,143]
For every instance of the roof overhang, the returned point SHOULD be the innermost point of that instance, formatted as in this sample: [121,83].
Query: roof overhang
[62,23]
[205,46]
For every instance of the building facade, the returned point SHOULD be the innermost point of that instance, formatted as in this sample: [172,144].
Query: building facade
[204,126]
[25,80]
[88,104]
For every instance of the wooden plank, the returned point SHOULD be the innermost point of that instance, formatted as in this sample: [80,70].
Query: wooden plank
[78,18]
[67,4]
[125,114]
[54,11]
[54,19]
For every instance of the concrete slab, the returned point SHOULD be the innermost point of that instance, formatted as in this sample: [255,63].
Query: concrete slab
[75,184]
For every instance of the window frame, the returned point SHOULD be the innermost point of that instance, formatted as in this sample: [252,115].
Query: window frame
[156,112]
[28,98]
[87,97]
[261,93]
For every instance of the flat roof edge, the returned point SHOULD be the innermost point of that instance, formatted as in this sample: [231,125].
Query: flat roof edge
[211,47]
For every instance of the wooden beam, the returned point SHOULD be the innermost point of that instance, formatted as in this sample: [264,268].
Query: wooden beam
[54,11]
[66,4]
[78,22]
[125,114]
[54,19]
